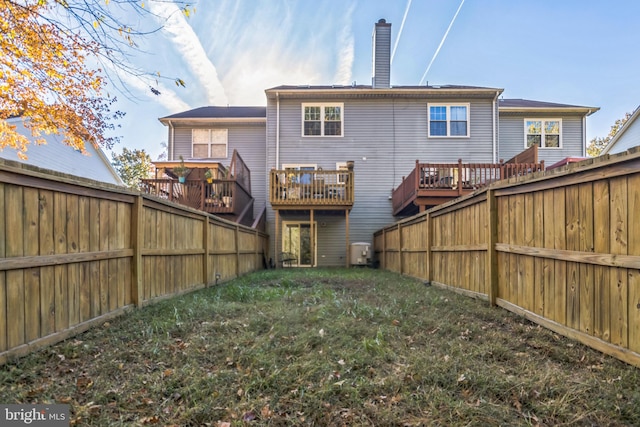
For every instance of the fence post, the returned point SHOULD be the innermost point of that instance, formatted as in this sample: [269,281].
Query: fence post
[137,242]
[237,239]
[205,245]
[400,247]
[383,264]
[491,268]
[428,254]
[460,178]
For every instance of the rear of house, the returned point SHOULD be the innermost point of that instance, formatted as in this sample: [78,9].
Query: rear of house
[559,130]
[325,160]
[383,131]
[212,134]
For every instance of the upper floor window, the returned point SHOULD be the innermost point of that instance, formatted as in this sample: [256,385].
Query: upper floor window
[322,119]
[544,133]
[448,120]
[209,143]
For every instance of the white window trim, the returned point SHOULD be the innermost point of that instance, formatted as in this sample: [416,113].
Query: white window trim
[448,105]
[340,166]
[322,105]
[226,148]
[548,119]
[298,166]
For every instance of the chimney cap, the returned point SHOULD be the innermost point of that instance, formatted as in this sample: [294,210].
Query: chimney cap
[383,22]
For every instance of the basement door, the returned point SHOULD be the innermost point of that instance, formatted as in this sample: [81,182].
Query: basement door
[296,239]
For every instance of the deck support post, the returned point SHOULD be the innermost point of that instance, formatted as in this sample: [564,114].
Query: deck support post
[312,238]
[346,232]
[275,243]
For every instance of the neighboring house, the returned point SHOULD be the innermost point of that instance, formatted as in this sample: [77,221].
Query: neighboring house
[208,137]
[329,157]
[559,130]
[59,157]
[627,136]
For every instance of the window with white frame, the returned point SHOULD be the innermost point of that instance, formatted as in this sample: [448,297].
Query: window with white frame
[295,173]
[322,119]
[545,133]
[448,120]
[209,143]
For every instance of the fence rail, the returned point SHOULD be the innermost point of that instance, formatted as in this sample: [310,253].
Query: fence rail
[76,252]
[561,249]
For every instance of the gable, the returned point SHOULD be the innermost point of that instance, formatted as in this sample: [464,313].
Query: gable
[59,157]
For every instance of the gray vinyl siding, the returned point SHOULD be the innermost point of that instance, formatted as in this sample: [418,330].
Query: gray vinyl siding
[182,143]
[512,137]
[57,156]
[248,139]
[384,138]
[630,138]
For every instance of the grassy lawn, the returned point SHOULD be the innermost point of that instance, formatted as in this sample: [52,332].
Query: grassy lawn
[326,347]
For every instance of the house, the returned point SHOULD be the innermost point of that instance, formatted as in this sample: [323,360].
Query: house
[230,142]
[559,130]
[59,157]
[627,136]
[330,159]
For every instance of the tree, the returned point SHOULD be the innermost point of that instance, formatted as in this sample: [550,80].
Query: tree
[132,166]
[597,144]
[53,57]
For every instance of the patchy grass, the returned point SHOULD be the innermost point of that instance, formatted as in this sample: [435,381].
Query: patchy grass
[325,347]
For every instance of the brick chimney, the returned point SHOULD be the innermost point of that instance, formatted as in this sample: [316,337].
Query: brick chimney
[381,77]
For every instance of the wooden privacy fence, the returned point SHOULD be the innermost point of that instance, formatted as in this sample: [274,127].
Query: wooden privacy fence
[77,252]
[560,248]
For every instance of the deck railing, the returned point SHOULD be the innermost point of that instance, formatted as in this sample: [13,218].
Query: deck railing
[221,196]
[310,188]
[455,179]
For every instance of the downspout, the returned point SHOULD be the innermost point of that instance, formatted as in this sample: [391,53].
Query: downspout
[172,135]
[277,130]
[495,130]
[584,134]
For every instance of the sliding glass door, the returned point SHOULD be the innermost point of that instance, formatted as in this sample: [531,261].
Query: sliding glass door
[296,239]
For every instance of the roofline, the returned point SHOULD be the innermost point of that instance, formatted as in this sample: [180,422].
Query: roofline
[621,131]
[568,109]
[382,91]
[99,151]
[166,120]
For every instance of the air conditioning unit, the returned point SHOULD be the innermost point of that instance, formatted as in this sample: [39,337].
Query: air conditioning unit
[360,254]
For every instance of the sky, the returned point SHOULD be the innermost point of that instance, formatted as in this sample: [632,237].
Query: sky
[579,52]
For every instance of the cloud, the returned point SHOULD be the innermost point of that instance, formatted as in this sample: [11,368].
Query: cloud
[264,45]
[187,43]
[346,50]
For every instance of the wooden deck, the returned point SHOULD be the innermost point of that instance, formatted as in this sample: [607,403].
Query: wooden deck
[431,184]
[227,195]
[311,189]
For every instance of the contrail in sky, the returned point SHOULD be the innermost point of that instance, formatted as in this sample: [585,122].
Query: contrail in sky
[191,49]
[424,76]
[404,18]
[346,53]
